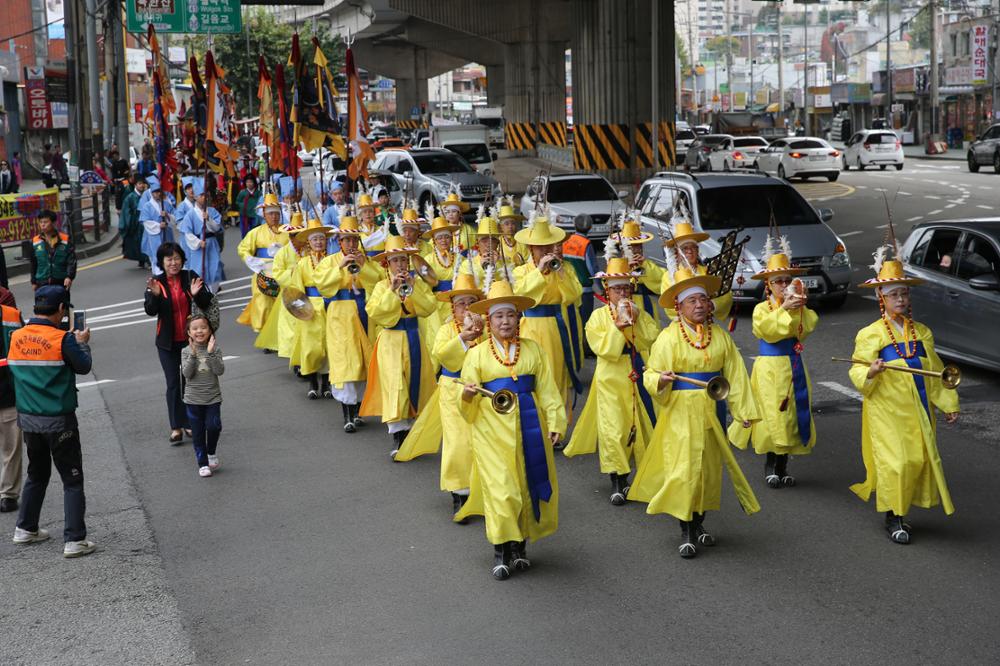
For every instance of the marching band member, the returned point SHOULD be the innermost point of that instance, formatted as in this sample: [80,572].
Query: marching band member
[409,229]
[488,250]
[438,265]
[156,214]
[373,236]
[579,252]
[681,470]
[344,279]
[202,228]
[454,209]
[280,329]
[898,424]
[553,322]
[515,488]
[618,418]
[650,275]
[311,333]
[684,242]
[779,379]
[187,203]
[400,377]
[440,423]
[258,250]
[510,223]
[338,197]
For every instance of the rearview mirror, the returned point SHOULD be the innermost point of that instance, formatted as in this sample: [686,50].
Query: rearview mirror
[987,282]
[826,214]
[622,194]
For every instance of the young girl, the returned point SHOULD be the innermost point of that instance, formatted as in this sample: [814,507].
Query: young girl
[201,363]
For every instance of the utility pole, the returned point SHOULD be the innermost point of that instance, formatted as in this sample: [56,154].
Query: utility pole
[654,70]
[781,64]
[750,52]
[691,63]
[93,86]
[805,68]
[250,91]
[888,64]
[729,57]
[120,80]
[935,101]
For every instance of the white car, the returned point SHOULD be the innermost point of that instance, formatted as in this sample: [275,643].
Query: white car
[800,157]
[873,147]
[683,139]
[572,194]
[739,152]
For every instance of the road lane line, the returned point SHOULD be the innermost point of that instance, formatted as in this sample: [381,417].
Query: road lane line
[931,196]
[882,226]
[914,219]
[905,194]
[935,212]
[950,206]
[99,381]
[984,207]
[140,300]
[229,358]
[843,390]
[102,262]
[149,320]
[850,233]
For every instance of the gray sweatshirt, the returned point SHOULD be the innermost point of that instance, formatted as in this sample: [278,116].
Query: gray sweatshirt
[201,371]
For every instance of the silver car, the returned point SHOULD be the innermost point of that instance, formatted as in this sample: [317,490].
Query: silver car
[572,194]
[720,203]
[960,298]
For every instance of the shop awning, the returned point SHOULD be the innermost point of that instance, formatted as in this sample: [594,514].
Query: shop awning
[955,90]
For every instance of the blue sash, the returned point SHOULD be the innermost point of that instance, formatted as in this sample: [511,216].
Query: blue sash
[786,347]
[443,285]
[372,253]
[359,301]
[413,342]
[536,468]
[639,367]
[570,350]
[647,303]
[889,353]
[445,372]
[681,385]
[313,292]
[261,252]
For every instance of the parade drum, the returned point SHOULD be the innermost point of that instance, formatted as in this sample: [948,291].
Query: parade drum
[267,285]
[297,304]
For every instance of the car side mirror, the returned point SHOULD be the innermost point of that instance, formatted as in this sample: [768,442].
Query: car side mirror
[826,214]
[622,194]
[987,282]
[493,156]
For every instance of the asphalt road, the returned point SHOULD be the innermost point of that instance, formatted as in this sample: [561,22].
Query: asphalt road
[310,546]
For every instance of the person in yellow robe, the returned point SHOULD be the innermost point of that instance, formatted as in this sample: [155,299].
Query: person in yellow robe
[515,486]
[438,266]
[651,275]
[489,251]
[681,470]
[343,279]
[684,242]
[311,333]
[279,332]
[453,209]
[509,221]
[553,322]
[440,423]
[400,377]
[409,229]
[373,235]
[780,380]
[257,250]
[618,418]
[898,414]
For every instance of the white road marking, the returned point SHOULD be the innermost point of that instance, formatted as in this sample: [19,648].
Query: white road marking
[935,212]
[245,285]
[984,207]
[882,226]
[99,381]
[931,196]
[905,194]
[843,390]
[861,187]
[950,206]
[914,219]
[850,233]
[149,320]
[229,358]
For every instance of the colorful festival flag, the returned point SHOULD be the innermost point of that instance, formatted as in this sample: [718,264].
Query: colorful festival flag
[317,122]
[357,121]
[219,135]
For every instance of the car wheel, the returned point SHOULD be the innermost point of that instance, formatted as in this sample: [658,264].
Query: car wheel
[833,177]
[781,172]
[726,167]
[882,167]
[973,164]
[861,165]
[706,165]
[843,163]
[996,162]
[899,167]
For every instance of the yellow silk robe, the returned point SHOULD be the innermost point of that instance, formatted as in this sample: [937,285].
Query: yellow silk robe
[433,322]
[440,423]
[255,313]
[279,332]
[613,405]
[388,390]
[898,439]
[652,279]
[514,252]
[681,472]
[348,346]
[771,381]
[723,304]
[557,288]
[310,335]
[499,486]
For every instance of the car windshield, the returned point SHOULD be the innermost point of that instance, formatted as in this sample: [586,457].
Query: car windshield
[808,143]
[474,153]
[441,163]
[747,207]
[711,140]
[881,138]
[580,189]
[744,143]
[684,135]
[492,123]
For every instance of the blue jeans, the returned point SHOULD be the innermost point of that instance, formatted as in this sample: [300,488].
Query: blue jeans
[206,425]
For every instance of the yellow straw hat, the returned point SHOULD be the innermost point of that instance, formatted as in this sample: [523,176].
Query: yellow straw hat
[269,202]
[464,285]
[411,218]
[890,273]
[349,226]
[618,268]
[487,227]
[453,200]
[540,232]
[295,223]
[501,292]
[778,264]
[364,201]
[684,279]
[394,246]
[439,224]
[684,233]
[632,234]
[507,212]
[312,227]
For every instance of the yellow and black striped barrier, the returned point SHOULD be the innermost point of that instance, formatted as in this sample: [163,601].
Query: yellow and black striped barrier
[607,147]
[411,124]
[520,136]
[552,133]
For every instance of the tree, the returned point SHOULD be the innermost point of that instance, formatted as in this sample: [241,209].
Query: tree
[268,38]
[920,29]
[683,56]
[721,45]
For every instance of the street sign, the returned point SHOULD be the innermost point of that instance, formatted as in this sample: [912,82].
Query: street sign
[184,16]
[385,84]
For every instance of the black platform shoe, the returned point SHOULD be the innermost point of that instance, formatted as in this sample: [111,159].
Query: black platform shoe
[348,420]
[358,421]
[397,441]
[327,389]
[519,555]
[313,392]
[899,532]
[617,494]
[770,473]
[701,535]
[501,561]
[781,469]
[457,502]
[687,549]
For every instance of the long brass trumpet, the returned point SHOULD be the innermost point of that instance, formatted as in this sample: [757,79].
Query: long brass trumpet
[353,268]
[717,388]
[950,375]
[502,401]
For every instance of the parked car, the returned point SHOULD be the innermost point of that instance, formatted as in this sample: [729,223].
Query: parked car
[388,142]
[800,157]
[873,147]
[702,130]
[430,172]
[985,150]
[720,203]
[683,139]
[739,152]
[306,156]
[572,194]
[700,149]
[960,298]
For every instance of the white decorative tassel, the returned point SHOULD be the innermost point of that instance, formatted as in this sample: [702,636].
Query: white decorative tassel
[488,282]
[879,257]
[670,259]
[530,223]
[627,250]
[770,249]
[481,211]
[428,212]
[612,249]
[786,247]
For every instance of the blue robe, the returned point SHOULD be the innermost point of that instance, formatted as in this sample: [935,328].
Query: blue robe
[152,235]
[191,229]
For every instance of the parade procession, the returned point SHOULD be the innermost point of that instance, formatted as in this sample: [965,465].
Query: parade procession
[410,350]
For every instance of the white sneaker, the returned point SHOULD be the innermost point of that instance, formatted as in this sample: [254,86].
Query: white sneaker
[22,537]
[205,471]
[213,462]
[79,548]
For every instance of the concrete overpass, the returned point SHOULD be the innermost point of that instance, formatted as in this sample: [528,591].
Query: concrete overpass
[522,44]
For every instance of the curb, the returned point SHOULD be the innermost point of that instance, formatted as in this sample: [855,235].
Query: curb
[89,250]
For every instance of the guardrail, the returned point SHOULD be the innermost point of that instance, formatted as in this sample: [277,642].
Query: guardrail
[563,156]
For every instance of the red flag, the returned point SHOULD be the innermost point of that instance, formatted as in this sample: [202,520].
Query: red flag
[357,121]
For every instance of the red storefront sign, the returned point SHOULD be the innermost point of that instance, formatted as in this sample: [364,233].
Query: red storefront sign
[39,112]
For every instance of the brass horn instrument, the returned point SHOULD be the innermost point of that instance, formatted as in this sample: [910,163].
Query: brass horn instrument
[717,388]
[950,375]
[404,290]
[555,264]
[502,401]
[353,268]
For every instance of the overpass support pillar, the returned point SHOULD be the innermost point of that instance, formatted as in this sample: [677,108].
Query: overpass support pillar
[535,94]
[410,94]
[613,87]
[495,85]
